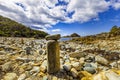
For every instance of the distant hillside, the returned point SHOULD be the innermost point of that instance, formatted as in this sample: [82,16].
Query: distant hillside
[10,28]
[112,34]
[72,35]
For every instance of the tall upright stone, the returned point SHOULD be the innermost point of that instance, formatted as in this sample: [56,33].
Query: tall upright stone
[53,53]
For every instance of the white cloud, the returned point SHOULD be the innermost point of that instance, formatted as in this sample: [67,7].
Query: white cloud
[56,30]
[44,13]
[86,9]
[115,4]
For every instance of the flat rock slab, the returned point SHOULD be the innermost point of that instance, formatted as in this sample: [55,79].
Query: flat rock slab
[53,37]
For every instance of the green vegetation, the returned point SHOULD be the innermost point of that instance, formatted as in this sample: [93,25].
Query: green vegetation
[75,35]
[114,33]
[10,28]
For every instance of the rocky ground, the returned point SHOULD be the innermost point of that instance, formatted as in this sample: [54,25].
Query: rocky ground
[25,59]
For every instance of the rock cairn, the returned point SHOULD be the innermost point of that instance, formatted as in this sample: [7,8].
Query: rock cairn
[53,53]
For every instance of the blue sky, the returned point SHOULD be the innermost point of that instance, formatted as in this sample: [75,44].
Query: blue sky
[105,22]
[85,17]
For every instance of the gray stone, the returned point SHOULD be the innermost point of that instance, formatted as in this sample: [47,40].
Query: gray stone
[53,37]
[53,56]
[90,69]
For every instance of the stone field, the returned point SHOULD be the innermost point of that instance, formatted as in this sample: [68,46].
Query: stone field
[40,59]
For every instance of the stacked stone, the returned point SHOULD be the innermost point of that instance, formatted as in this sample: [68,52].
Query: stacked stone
[53,53]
